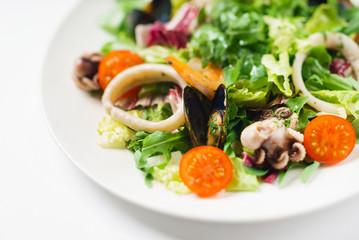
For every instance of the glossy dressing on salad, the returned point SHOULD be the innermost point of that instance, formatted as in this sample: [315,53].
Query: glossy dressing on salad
[225,95]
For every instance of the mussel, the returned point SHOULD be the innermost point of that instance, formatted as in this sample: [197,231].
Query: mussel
[195,117]
[157,10]
[206,127]
[216,134]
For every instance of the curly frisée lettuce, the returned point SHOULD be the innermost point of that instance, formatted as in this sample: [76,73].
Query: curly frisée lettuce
[113,134]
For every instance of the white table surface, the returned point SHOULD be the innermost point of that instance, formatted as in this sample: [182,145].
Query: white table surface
[44,196]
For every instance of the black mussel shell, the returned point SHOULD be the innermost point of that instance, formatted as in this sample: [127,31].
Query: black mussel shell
[195,116]
[161,10]
[220,99]
[136,17]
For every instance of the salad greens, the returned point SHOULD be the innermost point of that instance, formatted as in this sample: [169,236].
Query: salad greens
[255,43]
[146,145]
[113,133]
[325,18]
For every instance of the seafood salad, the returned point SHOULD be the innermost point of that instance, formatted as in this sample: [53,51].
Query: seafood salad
[223,95]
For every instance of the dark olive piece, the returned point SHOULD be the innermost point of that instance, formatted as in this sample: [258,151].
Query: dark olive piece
[195,116]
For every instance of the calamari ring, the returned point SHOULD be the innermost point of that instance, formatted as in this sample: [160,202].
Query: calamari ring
[135,76]
[336,41]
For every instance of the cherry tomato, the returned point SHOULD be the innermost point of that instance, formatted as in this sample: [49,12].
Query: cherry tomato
[206,170]
[114,63]
[329,139]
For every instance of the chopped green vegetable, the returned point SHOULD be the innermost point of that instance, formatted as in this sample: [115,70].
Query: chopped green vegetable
[113,134]
[241,180]
[169,175]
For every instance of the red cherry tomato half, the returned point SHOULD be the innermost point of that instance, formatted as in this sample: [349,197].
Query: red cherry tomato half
[206,170]
[329,139]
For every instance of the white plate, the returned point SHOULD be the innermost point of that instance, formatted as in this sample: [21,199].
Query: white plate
[73,115]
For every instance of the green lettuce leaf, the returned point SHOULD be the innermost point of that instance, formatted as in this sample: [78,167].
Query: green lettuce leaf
[317,78]
[249,66]
[286,35]
[156,54]
[279,72]
[309,171]
[304,117]
[297,103]
[321,54]
[325,18]
[212,44]
[250,98]
[162,143]
[349,99]
[247,82]
[352,16]
[241,180]
[287,8]
[291,165]
[219,41]
[255,171]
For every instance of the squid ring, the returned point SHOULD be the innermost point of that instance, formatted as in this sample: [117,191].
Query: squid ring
[135,76]
[336,41]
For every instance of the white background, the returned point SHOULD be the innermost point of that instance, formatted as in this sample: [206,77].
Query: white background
[44,196]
